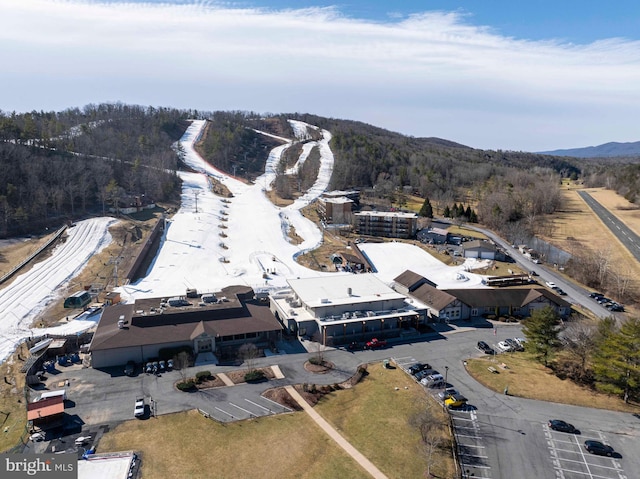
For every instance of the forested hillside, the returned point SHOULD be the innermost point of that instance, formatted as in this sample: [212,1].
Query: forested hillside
[57,166]
[64,165]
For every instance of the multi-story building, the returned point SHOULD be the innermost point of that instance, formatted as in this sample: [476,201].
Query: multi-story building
[343,308]
[335,211]
[389,224]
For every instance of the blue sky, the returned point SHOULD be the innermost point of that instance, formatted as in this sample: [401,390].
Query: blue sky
[576,21]
[495,74]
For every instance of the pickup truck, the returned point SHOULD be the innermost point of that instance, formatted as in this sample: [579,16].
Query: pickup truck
[376,343]
[139,407]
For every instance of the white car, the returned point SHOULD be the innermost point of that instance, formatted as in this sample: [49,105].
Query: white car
[504,347]
[520,341]
[139,407]
[551,284]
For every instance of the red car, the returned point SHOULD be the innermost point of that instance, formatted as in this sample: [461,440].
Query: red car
[376,343]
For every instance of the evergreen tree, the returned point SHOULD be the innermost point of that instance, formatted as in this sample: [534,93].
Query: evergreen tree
[427,209]
[541,331]
[468,213]
[617,359]
[447,212]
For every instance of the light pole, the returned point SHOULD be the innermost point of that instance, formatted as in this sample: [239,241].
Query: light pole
[446,373]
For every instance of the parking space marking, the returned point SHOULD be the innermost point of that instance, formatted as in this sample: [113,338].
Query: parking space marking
[243,409]
[225,412]
[277,404]
[559,444]
[403,361]
[466,427]
[258,405]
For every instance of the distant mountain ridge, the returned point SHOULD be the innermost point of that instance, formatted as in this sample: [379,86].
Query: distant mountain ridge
[607,150]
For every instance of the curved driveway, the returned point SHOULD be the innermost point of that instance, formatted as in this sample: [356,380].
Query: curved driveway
[513,438]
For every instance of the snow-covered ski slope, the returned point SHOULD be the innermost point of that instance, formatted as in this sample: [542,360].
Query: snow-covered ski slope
[240,240]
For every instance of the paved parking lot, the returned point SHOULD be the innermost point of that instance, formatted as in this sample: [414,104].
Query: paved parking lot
[572,461]
[502,436]
[499,436]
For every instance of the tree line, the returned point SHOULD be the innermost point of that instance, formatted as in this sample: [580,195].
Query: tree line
[603,355]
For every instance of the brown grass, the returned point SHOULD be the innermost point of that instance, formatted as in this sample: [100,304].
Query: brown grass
[576,227]
[188,445]
[529,379]
[380,417]
[13,412]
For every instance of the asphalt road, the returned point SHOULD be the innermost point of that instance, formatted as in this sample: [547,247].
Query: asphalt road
[500,436]
[575,294]
[628,238]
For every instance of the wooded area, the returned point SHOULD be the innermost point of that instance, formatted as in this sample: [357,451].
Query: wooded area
[57,166]
[63,166]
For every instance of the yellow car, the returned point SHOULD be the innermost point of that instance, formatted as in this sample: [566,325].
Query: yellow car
[455,400]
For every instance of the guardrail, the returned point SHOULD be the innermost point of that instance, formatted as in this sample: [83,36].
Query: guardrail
[26,261]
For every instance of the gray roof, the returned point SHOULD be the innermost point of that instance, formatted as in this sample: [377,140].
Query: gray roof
[479,245]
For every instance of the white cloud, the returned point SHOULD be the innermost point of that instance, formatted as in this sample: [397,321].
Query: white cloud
[431,74]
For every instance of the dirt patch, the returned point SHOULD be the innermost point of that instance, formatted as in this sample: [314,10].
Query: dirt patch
[237,377]
[322,368]
[212,382]
[218,188]
[282,396]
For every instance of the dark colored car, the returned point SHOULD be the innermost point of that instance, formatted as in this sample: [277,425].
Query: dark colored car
[130,368]
[596,295]
[561,292]
[485,348]
[615,307]
[559,425]
[417,367]
[596,447]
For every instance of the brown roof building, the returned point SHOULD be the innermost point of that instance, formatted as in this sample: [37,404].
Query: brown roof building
[454,304]
[46,412]
[208,323]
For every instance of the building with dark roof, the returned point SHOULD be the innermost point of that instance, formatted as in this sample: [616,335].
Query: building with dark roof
[217,323]
[454,304]
[409,281]
[508,302]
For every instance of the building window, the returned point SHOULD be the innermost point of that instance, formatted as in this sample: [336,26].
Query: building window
[474,312]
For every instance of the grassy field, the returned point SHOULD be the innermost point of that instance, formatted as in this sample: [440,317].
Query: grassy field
[529,379]
[191,446]
[380,418]
[576,227]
